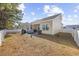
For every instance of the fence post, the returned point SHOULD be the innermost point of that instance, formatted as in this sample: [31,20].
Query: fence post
[2,35]
[76,37]
[0,38]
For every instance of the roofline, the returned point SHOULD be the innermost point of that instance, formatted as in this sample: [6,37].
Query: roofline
[46,18]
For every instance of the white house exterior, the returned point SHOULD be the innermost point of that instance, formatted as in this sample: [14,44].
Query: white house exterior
[49,25]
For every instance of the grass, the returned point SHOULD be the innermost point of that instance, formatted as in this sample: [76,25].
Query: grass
[8,37]
[61,38]
[59,44]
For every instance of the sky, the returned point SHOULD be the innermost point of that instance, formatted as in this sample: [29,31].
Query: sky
[36,11]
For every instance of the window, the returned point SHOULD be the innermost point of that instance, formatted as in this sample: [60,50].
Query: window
[45,27]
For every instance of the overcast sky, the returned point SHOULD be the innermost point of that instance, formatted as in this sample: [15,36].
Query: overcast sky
[35,11]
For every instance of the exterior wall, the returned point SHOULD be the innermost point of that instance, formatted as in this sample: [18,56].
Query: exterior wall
[49,23]
[57,24]
[35,26]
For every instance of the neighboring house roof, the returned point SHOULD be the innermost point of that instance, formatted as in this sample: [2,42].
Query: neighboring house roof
[47,18]
[72,26]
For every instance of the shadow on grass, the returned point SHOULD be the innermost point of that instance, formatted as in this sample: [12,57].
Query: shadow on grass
[61,38]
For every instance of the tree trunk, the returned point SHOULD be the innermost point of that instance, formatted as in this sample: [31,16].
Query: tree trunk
[2,20]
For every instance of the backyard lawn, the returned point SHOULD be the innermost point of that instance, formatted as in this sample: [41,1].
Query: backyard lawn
[59,44]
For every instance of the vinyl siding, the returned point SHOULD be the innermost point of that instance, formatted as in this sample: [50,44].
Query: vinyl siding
[57,25]
[49,24]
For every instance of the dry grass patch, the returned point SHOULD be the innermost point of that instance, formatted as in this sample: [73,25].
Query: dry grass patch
[59,44]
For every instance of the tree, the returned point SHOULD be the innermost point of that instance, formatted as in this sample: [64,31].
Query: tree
[9,14]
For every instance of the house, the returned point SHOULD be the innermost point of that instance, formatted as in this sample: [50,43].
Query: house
[25,26]
[49,25]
